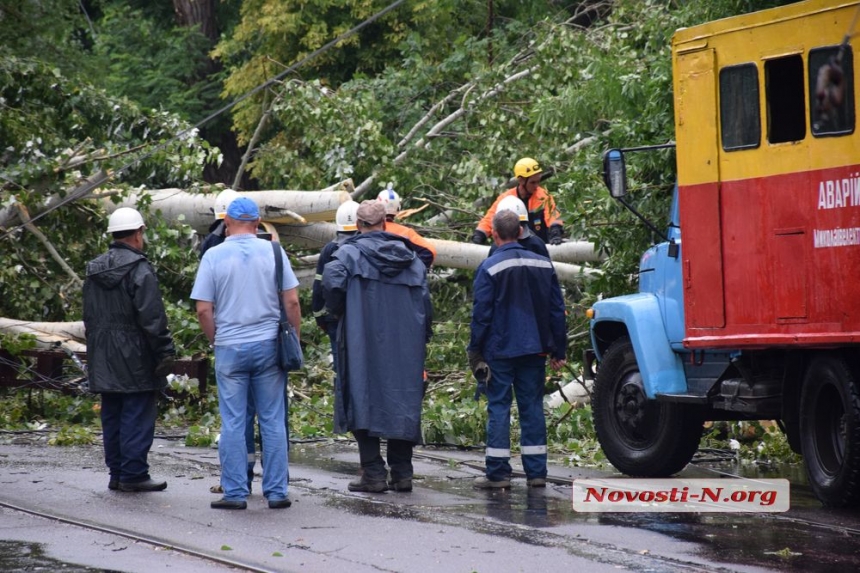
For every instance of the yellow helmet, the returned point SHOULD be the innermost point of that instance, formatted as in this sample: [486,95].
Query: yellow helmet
[526,167]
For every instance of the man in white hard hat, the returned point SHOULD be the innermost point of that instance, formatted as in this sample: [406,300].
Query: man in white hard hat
[518,320]
[345,223]
[527,239]
[217,230]
[216,236]
[129,351]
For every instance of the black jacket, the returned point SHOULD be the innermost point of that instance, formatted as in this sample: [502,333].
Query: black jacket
[127,333]
[323,318]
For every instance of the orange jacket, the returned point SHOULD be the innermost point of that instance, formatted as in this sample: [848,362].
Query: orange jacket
[420,242]
[542,213]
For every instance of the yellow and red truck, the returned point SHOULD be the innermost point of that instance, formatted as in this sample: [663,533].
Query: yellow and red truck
[749,309]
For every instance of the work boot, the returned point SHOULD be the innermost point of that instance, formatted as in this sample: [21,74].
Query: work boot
[484,482]
[229,504]
[280,503]
[403,485]
[536,482]
[371,486]
[148,485]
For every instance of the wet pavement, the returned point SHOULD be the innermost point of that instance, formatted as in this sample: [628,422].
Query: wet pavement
[443,525]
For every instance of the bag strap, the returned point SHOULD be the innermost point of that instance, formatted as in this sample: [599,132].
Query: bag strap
[279,274]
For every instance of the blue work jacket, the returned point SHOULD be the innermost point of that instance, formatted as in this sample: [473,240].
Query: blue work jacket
[518,308]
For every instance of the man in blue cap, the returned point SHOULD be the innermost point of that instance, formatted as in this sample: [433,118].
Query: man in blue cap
[238,310]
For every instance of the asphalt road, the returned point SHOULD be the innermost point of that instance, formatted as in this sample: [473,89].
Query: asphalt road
[56,511]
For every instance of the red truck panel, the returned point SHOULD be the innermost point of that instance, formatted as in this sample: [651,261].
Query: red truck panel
[790,267]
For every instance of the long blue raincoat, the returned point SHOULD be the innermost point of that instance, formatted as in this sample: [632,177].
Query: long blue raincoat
[377,287]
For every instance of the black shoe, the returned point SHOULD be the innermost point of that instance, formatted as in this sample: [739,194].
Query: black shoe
[402,485]
[228,504]
[148,485]
[371,486]
[280,503]
[113,484]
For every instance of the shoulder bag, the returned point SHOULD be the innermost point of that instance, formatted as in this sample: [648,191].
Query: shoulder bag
[290,355]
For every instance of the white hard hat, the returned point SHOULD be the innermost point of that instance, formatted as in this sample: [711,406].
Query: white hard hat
[515,204]
[222,201]
[345,216]
[391,199]
[125,219]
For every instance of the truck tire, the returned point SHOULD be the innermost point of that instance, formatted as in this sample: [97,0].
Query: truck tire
[640,437]
[830,431]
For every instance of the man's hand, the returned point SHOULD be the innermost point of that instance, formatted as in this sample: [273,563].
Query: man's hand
[479,367]
[165,367]
[555,235]
[481,371]
[479,237]
[557,363]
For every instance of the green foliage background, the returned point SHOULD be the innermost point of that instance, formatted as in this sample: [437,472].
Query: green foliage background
[437,98]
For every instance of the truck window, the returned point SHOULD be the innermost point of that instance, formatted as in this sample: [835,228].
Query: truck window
[786,108]
[740,122]
[831,89]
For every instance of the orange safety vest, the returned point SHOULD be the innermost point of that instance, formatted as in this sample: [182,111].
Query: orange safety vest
[412,235]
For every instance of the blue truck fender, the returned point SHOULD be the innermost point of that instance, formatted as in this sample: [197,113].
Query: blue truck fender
[639,314]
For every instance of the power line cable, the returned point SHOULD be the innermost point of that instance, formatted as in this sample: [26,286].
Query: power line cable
[101,177]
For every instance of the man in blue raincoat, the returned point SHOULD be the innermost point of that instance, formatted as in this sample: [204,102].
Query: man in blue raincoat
[377,286]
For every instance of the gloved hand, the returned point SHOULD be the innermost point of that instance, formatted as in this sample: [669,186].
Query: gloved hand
[481,371]
[165,367]
[479,237]
[555,235]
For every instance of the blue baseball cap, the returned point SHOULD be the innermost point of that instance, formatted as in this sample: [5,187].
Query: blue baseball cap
[243,209]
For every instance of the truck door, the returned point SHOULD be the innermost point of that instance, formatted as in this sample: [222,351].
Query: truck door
[699,187]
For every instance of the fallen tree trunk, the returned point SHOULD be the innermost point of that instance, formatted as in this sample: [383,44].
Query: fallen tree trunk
[277,207]
[49,334]
[301,220]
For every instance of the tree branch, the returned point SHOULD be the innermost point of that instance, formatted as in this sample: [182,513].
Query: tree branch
[25,218]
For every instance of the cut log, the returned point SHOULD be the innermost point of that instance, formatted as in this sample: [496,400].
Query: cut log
[278,207]
[49,334]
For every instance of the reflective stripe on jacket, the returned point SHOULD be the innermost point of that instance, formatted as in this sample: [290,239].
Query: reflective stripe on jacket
[518,308]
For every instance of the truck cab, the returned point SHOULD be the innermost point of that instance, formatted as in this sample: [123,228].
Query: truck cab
[748,307]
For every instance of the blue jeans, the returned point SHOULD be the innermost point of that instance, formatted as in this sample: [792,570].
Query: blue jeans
[525,375]
[249,373]
[128,427]
[250,442]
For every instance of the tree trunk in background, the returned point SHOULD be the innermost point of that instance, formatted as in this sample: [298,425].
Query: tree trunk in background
[190,13]
[202,13]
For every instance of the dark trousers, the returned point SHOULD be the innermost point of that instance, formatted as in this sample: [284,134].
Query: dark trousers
[399,457]
[128,428]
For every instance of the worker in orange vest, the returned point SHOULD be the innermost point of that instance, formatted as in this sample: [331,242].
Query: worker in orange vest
[422,247]
[544,220]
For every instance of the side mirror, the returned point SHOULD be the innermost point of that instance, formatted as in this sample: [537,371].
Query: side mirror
[615,173]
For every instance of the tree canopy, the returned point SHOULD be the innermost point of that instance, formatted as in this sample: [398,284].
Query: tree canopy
[438,99]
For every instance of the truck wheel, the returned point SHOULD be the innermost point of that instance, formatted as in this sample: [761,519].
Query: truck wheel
[640,437]
[830,431]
